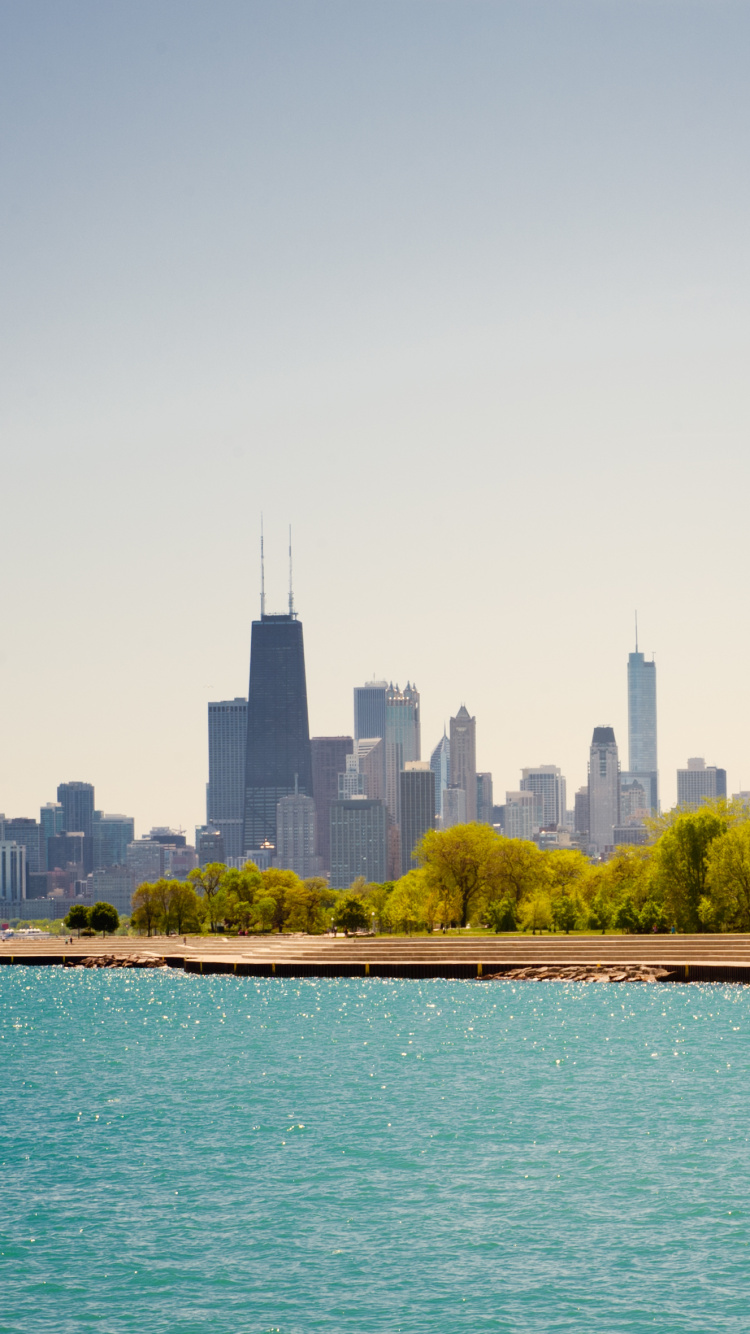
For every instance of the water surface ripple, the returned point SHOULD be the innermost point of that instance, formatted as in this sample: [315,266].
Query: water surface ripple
[220,1154]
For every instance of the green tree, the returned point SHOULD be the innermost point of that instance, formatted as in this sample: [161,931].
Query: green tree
[306,906]
[728,880]
[78,917]
[681,861]
[104,918]
[457,863]
[501,915]
[406,905]
[517,870]
[207,881]
[627,917]
[282,886]
[146,909]
[566,911]
[184,908]
[537,913]
[351,913]
[264,911]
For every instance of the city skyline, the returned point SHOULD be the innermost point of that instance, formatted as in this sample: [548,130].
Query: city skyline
[369,340]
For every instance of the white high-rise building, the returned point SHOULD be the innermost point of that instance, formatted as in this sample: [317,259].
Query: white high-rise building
[12,873]
[295,835]
[454,807]
[520,814]
[464,758]
[700,782]
[547,783]
[440,763]
[604,789]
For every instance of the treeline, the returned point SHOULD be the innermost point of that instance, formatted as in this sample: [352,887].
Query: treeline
[693,876]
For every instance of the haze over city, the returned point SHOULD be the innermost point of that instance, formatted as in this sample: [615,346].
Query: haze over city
[460,292]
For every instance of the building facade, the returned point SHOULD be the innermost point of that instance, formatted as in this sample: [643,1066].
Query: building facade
[28,833]
[520,814]
[463,758]
[402,740]
[604,790]
[227,751]
[328,754]
[700,782]
[642,751]
[144,858]
[359,841]
[295,829]
[115,885]
[417,801]
[12,874]
[547,783]
[440,763]
[278,756]
[454,807]
[485,798]
[112,834]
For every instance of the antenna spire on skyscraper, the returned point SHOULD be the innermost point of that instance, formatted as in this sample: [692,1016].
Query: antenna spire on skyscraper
[262,573]
[291,591]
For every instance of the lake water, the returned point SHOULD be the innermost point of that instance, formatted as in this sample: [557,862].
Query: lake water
[219,1154]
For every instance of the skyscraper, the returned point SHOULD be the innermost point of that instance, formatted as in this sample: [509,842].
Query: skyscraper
[454,807]
[112,834]
[402,739]
[77,800]
[547,782]
[225,794]
[295,836]
[328,761]
[278,757]
[12,874]
[359,841]
[369,709]
[370,752]
[642,759]
[464,758]
[484,798]
[417,800]
[440,763]
[604,789]
[700,782]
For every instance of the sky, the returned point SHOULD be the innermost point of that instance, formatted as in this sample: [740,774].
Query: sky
[459,290]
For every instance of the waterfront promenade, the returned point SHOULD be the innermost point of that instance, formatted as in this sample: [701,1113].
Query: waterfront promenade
[685,958]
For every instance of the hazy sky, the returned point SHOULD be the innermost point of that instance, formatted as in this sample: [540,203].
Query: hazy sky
[460,290]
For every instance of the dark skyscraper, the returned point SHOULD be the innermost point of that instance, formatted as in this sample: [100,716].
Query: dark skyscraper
[417,801]
[642,760]
[278,737]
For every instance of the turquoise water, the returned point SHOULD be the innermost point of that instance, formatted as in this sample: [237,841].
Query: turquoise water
[219,1154]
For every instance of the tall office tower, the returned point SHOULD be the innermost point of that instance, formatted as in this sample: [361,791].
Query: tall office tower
[225,794]
[278,760]
[112,884]
[464,758]
[484,798]
[145,859]
[12,874]
[77,801]
[604,789]
[699,783]
[112,833]
[370,752]
[521,810]
[295,836]
[440,763]
[28,834]
[328,761]
[359,841]
[581,813]
[454,807]
[351,781]
[635,800]
[417,801]
[68,850]
[369,709]
[549,786]
[642,761]
[402,739]
[51,820]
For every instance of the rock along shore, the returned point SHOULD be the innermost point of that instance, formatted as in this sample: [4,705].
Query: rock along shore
[582,973]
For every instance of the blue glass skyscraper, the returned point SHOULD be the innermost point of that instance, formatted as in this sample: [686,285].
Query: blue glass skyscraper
[642,761]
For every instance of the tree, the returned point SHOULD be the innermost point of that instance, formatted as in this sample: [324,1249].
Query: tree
[104,918]
[457,863]
[728,880]
[501,915]
[351,913]
[537,913]
[280,885]
[78,917]
[681,861]
[264,911]
[184,908]
[566,910]
[517,869]
[305,905]
[207,880]
[406,905]
[145,912]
